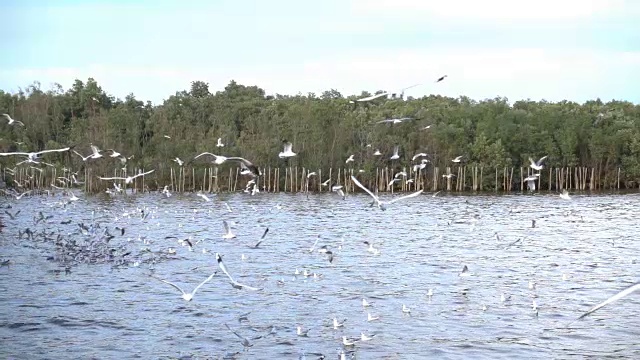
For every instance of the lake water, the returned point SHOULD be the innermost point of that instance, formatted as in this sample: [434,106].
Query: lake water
[84,298]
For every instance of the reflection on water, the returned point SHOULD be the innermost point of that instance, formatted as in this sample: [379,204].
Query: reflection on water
[66,305]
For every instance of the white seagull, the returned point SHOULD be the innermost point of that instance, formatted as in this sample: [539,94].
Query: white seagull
[234,283]
[178,161]
[227,231]
[187,296]
[33,157]
[457,159]
[377,153]
[537,165]
[382,205]
[12,121]
[128,179]
[95,154]
[418,155]
[220,144]
[565,195]
[287,152]
[350,159]
[244,163]
[395,155]
[395,120]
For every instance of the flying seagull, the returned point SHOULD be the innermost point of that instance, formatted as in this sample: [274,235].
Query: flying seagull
[128,179]
[220,144]
[261,239]
[395,155]
[227,231]
[457,159]
[234,283]
[615,297]
[395,120]
[537,165]
[12,121]
[35,156]
[95,154]
[441,78]
[287,152]
[187,296]
[244,163]
[382,205]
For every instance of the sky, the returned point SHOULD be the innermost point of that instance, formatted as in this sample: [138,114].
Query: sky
[555,50]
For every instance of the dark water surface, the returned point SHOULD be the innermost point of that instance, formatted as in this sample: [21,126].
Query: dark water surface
[580,252]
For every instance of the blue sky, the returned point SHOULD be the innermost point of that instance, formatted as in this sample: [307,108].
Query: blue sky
[544,49]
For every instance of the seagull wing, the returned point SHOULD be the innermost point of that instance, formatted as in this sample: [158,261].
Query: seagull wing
[405,197]
[533,163]
[14,153]
[355,181]
[541,160]
[170,283]
[112,178]
[262,238]
[144,173]
[615,297]
[227,229]
[95,150]
[204,282]
[204,153]
[248,164]
[53,150]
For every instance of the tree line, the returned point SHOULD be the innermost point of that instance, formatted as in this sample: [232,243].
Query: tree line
[325,129]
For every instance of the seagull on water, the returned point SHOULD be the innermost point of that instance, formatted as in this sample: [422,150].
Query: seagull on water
[537,165]
[565,195]
[234,283]
[382,205]
[187,296]
[12,121]
[287,152]
[618,296]
[531,181]
[220,144]
[227,231]
[128,179]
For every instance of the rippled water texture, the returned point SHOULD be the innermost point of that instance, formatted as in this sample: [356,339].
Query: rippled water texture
[579,253]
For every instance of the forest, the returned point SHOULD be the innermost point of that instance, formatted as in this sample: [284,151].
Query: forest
[325,129]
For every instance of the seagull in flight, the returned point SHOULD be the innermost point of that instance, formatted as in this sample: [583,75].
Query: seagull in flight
[618,296]
[565,195]
[178,161]
[244,163]
[395,120]
[287,152]
[537,165]
[377,153]
[350,159]
[382,205]
[12,121]
[187,296]
[395,155]
[531,181]
[441,78]
[128,179]
[457,159]
[419,155]
[33,157]
[234,283]
[261,239]
[227,231]
[220,144]
[95,154]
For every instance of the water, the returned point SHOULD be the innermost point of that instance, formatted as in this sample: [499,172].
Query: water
[114,309]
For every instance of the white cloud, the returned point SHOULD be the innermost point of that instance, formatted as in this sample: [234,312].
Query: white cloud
[517,74]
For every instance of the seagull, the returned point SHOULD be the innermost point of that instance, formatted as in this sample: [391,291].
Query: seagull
[261,239]
[457,159]
[234,283]
[12,121]
[220,144]
[448,176]
[422,165]
[565,195]
[35,156]
[287,152]
[465,271]
[615,297]
[245,342]
[338,189]
[441,78]
[531,181]
[178,161]
[369,98]
[365,303]
[426,127]
[167,137]
[382,205]
[227,231]
[395,120]
[537,165]
[95,154]
[337,324]
[114,154]
[187,296]
[364,337]
[302,333]
[395,155]
[313,173]
[418,155]
[371,249]
[244,163]
[203,196]
[128,179]
[350,159]
[377,153]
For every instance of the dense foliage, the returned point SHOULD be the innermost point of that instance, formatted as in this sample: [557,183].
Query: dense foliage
[324,129]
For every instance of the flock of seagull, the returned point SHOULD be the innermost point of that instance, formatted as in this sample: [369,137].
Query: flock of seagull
[100,237]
